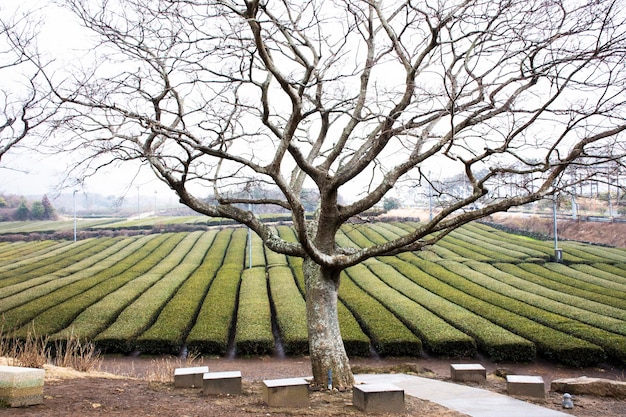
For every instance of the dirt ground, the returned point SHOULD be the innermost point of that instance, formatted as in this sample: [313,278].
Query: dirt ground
[142,387]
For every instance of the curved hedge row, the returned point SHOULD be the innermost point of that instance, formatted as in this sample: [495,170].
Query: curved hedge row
[168,333]
[553,344]
[170,275]
[438,336]
[290,310]
[499,343]
[37,300]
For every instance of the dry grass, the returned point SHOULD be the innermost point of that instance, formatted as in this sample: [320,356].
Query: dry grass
[36,351]
[162,369]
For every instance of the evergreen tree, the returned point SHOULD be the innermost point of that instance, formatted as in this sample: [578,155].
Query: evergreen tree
[22,212]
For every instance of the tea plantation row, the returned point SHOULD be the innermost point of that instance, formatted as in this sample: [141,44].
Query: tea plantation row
[480,289]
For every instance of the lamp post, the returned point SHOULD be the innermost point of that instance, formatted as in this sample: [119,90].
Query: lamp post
[74,204]
[558,253]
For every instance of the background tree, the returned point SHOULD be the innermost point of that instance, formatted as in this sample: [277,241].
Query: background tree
[22,213]
[24,95]
[351,98]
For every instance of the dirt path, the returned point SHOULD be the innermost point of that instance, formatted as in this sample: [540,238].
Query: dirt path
[140,387]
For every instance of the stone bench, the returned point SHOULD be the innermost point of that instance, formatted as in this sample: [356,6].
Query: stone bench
[526,386]
[472,372]
[222,383]
[190,377]
[21,387]
[288,392]
[378,398]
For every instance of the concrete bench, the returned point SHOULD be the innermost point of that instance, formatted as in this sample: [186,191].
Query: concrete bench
[378,398]
[222,383]
[526,386]
[21,387]
[288,392]
[189,377]
[472,372]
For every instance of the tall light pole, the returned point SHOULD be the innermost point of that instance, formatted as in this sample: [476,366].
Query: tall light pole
[74,204]
[558,253]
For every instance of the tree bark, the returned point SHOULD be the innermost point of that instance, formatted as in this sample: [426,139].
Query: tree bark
[326,347]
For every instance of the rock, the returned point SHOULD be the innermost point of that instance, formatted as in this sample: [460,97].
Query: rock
[590,386]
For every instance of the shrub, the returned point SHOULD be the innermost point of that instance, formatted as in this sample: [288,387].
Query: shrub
[254,319]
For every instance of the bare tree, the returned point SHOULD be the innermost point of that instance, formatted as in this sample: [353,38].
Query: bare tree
[24,96]
[349,95]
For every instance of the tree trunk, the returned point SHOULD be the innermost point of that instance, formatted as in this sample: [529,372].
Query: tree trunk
[326,347]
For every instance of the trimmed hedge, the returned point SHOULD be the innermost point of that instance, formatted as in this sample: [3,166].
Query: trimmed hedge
[613,344]
[55,292]
[254,318]
[437,336]
[168,333]
[55,261]
[499,343]
[135,302]
[60,316]
[389,336]
[290,310]
[550,279]
[551,343]
[564,274]
[39,284]
[580,308]
[210,334]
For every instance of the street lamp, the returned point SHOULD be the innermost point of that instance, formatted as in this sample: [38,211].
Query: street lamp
[558,253]
[74,204]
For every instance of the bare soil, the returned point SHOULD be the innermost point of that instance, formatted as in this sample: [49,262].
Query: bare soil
[142,387]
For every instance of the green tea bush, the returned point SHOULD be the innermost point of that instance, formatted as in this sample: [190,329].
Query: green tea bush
[553,344]
[168,333]
[290,310]
[254,319]
[389,336]
[499,343]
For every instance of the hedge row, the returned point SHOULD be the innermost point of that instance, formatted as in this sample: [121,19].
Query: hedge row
[87,266]
[481,233]
[11,252]
[254,318]
[563,274]
[493,250]
[615,269]
[438,336]
[61,316]
[543,297]
[55,261]
[550,279]
[157,287]
[615,281]
[290,310]
[614,344]
[210,334]
[36,300]
[553,344]
[389,336]
[168,333]
[499,343]
[611,342]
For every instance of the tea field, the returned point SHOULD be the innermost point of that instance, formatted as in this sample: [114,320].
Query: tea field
[478,290]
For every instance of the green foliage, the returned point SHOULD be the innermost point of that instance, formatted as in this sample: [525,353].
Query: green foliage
[438,337]
[389,336]
[254,321]
[167,334]
[498,343]
[290,310]
[553,344]
[211,331]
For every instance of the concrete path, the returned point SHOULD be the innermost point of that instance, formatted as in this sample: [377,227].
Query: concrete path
[472,401]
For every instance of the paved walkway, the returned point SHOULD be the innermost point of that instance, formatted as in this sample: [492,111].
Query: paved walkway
[472,401]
